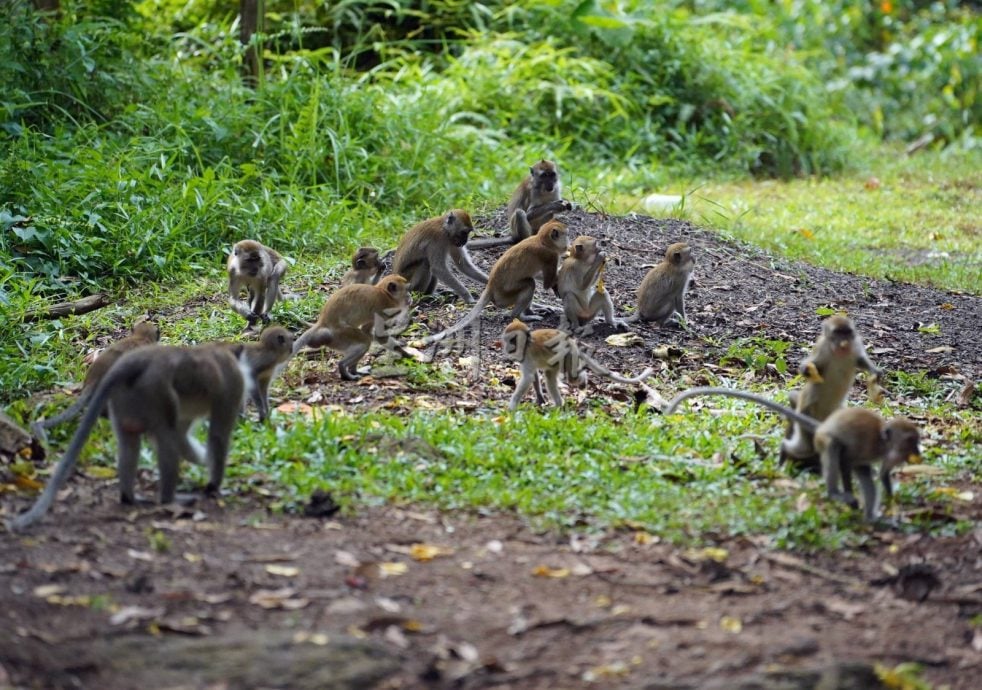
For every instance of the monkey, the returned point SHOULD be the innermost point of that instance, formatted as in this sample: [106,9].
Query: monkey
[350,318]
[536,200]
[421,257]
[554,352]
[366,268]
[849,441]
[581,289]
[661,296]
[258,269]
[511,282]
[264,361]
[144,333]
[830,369]
[160,391]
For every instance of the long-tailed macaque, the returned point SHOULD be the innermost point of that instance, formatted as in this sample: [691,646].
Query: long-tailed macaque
[849,441]
[580,287]
[830,370]
[536,200]
[512,279]
[352,316]
[263,361]
[160,391]
[421,257]
[661,296]
[551,351]
[366,268]
[144,333]
[258,270]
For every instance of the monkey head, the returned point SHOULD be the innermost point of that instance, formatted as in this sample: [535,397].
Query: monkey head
[555,233]
[365,257]
[544,175]
[840,333]
[900,440]
[514,339]
[457,225]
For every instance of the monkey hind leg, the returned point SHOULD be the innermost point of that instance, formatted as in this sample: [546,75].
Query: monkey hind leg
[127,458]
[798,452]
[833,461]
[864,475]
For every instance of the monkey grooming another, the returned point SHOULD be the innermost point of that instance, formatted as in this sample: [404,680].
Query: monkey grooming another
[258,270]
[512,279]
[581,289]
[421,257]
[553,352]
[661,296]
[366,268]
[849,441]
[830,370]
[159,391]
[350,317]
[144,333]
[536,200]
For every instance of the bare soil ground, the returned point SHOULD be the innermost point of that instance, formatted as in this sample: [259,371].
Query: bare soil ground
[229,596]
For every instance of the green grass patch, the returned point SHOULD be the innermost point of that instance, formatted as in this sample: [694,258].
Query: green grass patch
[913,219]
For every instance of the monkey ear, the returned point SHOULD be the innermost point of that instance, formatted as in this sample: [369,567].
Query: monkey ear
[885,434]
[532,170]
[392,287]
[451,217]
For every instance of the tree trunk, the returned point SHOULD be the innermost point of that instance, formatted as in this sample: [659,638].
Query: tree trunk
[250,22]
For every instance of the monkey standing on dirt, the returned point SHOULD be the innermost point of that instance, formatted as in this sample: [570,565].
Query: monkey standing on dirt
[350,318]
[258,270]
[830,370]
[421,257]
[553,352]
[160,392]
[512,279]
[144,333]
[849,442]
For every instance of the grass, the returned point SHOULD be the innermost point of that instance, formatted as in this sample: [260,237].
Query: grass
[908,218]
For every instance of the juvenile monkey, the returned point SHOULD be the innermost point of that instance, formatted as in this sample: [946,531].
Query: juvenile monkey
[159,391]
[350,317]
[830,370]
[263,361]
[553,352]
[366,268]
[580,287]
[144,333]
[536,200]
[661,296]
[258,270]
[849,441]
[421,257]
[512,279]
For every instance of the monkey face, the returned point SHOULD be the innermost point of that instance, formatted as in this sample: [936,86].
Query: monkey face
[902,441]
[545,179]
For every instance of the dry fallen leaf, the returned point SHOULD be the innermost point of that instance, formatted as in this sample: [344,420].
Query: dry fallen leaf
[624,339]
[709,553]
[392,569]
[427,552]
[297,408]
[731,624]
[282,570]
[277,599]
[45,591]
[546,571]
[135,613]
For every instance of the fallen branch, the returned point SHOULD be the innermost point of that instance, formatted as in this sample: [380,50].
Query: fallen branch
[798,564]
[82,306]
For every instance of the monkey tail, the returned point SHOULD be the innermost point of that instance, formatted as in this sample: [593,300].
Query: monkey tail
[39,427]
[599,368]
[472,315]
[808,423]
[120,371]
